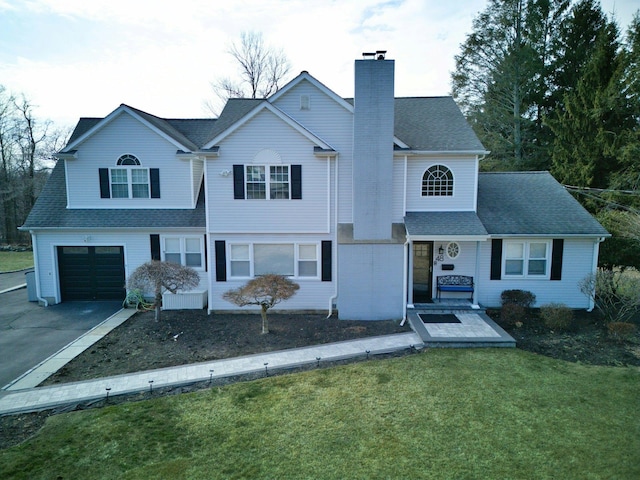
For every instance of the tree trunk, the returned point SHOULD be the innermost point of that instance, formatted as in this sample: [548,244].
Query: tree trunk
[265,323]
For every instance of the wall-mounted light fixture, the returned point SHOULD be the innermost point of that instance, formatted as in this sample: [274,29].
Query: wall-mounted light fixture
[441,250]
[225,173]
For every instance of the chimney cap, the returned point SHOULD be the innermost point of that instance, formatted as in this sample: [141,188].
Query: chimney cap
[377,55]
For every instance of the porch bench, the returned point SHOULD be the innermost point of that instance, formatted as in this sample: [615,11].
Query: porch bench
[454,283]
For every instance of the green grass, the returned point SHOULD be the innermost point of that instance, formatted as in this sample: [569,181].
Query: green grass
[459,414]
[12,261]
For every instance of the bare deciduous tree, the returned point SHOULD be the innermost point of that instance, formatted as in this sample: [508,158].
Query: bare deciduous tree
[261,71]
[156,276]
[265,291]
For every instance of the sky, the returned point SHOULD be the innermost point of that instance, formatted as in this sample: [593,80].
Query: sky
[83,58]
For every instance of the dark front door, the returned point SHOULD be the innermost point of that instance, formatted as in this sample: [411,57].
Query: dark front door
[422,272]
[91,273]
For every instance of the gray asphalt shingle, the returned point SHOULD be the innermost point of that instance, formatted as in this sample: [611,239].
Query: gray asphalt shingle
[531,203]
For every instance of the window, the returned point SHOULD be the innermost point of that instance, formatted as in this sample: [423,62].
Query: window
[289,259]
[453,250]
[257,186]
[437,181]
[526,259]
[127,182]
[184,251]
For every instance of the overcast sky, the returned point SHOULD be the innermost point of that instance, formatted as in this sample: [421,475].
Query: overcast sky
[83,58]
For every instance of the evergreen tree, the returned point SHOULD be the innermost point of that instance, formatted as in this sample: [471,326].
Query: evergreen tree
[594,115]
[501,77]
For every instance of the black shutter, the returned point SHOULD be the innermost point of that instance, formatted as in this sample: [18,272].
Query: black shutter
[104,183]
[556,259]
[496,259]
[155,182]
[155,246]
[238,182]
[221,261]
[296,182]
[206,254]
[326,260]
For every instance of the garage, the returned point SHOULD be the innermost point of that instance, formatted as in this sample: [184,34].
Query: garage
[91,272]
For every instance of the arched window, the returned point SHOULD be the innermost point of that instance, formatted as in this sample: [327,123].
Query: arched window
[128,159]
[437,181]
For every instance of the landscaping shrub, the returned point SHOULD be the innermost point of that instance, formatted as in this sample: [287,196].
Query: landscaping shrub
[556,316]
[620,331]
[512,313]
[616,294]
[523,298]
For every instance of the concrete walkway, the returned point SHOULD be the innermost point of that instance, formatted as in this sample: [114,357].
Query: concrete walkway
[34,399]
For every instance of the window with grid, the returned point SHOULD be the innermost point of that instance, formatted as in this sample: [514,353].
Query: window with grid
[277,187]
[437,181]
[127,182]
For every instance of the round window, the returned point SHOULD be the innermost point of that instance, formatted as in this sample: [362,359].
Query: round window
[453,250]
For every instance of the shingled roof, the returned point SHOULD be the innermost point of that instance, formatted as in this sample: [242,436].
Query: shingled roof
[50,211]
[531,203]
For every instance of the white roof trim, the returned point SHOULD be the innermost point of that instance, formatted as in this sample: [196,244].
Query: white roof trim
[112,116]
[319,85]
[413,153]
[277,112]
[449,238]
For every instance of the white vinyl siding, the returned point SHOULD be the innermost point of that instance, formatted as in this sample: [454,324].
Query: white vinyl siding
[135,245]
[313,294]
[334,124]
[576,264]
[309,214]
[126,135]
[464,188]
[247,260]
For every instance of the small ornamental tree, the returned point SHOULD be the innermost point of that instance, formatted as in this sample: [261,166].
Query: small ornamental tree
[156,277]
[265,291]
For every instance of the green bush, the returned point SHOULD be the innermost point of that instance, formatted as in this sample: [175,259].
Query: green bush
[523,298]
[512,313]
[621,330]
[556,316]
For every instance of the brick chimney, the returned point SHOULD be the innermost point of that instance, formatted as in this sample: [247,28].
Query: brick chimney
[373,147]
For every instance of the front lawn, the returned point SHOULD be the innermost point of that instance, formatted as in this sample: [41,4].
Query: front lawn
[467,413]
[12,261]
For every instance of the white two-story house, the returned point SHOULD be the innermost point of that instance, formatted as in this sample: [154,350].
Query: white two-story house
[363,202]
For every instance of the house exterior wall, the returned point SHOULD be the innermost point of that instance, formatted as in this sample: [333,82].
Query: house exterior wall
[266,132]
[314,294]
[576,264]
[125,134]
[371,283]
[464,185]
[332,123]
[136,252]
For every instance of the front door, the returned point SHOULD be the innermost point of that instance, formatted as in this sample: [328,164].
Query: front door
[422,272]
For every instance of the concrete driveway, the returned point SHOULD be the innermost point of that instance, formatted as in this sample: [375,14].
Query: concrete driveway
[30,333]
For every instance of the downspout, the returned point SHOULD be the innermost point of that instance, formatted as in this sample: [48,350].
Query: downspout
[334,258]
[405,280]
[210,254]
[594,269]
[36,267]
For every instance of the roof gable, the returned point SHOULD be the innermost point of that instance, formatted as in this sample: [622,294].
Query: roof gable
[262,106]
[162,127]
[305,76]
